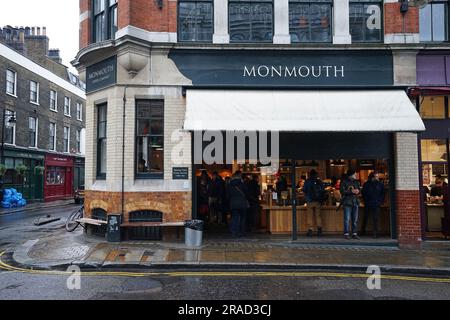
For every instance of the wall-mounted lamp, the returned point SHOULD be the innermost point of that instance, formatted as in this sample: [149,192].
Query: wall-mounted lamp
[159,3]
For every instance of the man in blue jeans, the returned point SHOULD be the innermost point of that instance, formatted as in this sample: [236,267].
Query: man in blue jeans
[350,190]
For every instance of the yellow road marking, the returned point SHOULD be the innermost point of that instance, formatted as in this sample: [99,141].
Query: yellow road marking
[7,267]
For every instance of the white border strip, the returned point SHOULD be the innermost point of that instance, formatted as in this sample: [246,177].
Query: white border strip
[28,64]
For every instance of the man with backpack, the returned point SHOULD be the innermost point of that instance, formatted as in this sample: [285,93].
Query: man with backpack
[314,195]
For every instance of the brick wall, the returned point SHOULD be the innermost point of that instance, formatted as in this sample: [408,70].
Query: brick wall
[393,19]
[145,14]
[24,109]
[85,23]
[409,229]
[175,206]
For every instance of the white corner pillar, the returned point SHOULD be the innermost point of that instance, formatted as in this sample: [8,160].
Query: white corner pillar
[341,22]
[281,16]
[221,34]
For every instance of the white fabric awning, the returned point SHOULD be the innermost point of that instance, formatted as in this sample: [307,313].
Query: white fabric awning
[302,111]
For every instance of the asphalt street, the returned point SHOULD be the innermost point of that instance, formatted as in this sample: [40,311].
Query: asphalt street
[14,285]
[17,228]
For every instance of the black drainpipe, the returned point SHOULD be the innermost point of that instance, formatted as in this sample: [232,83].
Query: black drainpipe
[123,151]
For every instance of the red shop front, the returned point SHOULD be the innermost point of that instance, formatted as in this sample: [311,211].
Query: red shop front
[58,178]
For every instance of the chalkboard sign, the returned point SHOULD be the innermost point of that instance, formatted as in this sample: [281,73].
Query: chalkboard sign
[180,173]
[113,234]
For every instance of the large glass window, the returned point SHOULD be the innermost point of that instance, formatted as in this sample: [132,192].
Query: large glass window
[10,127]
[366,18]
[11,82]
[195,21]
[67,106]
[434,150]
[310,21]
[32,132]
[52,136]
[434,22]
[78,140]
[53,100]
[150,138]
[66,139]
[251,21]
[105,20]
[34,92]
[55,176]
[101,140]
[432,107]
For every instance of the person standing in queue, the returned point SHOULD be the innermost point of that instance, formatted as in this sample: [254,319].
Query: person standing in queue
[350,191]
[216,190]
[314,195]
[238,204]
[254,191]
[373,195]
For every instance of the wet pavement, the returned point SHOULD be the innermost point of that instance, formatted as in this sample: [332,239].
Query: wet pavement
[62,248]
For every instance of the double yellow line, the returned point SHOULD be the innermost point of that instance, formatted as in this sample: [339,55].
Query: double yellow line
[8,267]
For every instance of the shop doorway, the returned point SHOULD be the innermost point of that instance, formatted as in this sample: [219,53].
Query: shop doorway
[280,196]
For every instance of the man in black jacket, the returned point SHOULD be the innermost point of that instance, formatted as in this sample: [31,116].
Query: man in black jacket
[373,194]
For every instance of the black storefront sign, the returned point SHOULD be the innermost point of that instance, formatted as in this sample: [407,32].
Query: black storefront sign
[285,68]
[101,75]
[180,173]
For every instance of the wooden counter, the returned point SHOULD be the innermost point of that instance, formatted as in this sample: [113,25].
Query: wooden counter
[280,220]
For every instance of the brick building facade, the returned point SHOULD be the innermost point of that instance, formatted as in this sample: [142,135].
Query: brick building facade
[161,51]
[25,56]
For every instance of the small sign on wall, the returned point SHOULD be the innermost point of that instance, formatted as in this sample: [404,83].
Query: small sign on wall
[180,173]
[101,75]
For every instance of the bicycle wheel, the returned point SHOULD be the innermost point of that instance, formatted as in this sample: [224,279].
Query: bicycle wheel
[71,224]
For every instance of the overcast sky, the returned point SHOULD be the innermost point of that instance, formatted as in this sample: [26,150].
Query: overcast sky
[61,17]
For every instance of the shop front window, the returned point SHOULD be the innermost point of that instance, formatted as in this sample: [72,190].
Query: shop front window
[55,176]
[432,107]
[101,140]
[366,20]
[150,138]
[310,21]
[250,21]
[195,21]
[433,22]
[435,188]
[11,176]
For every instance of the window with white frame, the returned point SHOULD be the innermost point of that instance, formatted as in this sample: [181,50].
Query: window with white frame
[53,100]
[78,140]
[52,136]
[79,111]
[10,127]
[11,82]
[34,92]
[33,132]
[67,106]
[66,139]
[434,22]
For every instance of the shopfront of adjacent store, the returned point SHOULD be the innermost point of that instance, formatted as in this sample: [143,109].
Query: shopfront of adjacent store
[432,98]
[24,172]
[58,177]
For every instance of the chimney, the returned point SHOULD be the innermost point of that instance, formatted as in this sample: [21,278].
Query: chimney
[22,36]
[32,31]
[38,31]
[44,31]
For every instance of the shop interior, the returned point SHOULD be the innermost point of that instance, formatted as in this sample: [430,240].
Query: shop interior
[275,210]
[435,188]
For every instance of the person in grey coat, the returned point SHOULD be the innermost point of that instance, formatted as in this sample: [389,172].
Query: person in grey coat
[350,190]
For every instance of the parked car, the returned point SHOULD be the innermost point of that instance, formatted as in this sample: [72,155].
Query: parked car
[79,195]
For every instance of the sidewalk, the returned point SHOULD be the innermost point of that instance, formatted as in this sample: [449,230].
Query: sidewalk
[63,249]
[36,206]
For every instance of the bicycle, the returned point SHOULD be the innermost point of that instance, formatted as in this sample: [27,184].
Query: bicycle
[72,223]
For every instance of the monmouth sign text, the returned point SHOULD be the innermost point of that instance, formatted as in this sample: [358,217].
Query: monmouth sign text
[264,71]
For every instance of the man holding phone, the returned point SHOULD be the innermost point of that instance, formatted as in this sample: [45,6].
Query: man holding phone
[350,190]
